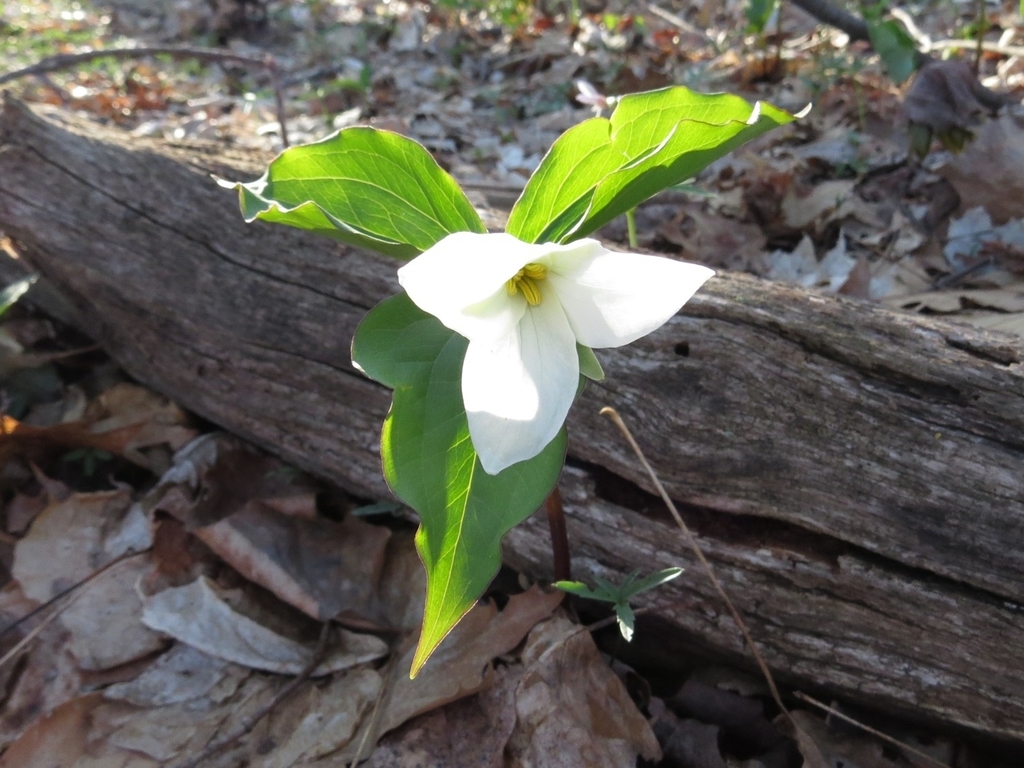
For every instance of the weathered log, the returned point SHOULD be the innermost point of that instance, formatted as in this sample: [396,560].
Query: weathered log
[853,473]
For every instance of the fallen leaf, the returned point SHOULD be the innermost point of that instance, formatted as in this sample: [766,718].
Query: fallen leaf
[825,747]
[989,172]
[104,622]
[47,677]
[321,567]
[689,742]
[68,541]
[461,665]
[469,733]
[197,614]
[180,675]
[1009,299]
[803,207]
[572,710]
[56,739]
[126,421]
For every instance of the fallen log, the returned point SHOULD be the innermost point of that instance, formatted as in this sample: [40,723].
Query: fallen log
[854,474]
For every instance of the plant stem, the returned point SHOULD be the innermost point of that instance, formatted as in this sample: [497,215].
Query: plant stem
[631,227]
[982,28]
[559,537]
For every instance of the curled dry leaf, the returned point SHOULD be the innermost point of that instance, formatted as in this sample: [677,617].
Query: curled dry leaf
[199,615]
[946,95]
[990,170]
[126,421]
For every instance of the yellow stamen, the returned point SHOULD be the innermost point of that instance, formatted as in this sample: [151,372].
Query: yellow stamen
[526,280]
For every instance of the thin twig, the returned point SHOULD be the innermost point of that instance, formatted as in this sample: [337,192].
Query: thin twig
[986,45]
[562,564]
[868,729]
[92,576]
[385,691]
[57,611]
[614,416]
[63,61]
[680,22]
[251,721]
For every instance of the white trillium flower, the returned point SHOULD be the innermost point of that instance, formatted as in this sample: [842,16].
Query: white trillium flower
[523,307]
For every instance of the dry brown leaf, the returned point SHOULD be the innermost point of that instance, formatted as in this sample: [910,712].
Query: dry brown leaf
[311,724]
[152,419]
[48,676]
[321,567]
[572,710]
[715,240]
[990,171]
[126,421]
[182,674]
[198,614]
[803,207]
[1008,299]
[470,733]
[57,739]
[403,584]
[320,721]
[69,540]
[946,95]
[460,666]
[1012,322]
[104,622]
[221,475]
[22,510]
[689,742]
[822,746]
[167,734]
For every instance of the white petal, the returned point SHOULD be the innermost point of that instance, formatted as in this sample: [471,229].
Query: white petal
[518,391]
[613,299]
[461,281]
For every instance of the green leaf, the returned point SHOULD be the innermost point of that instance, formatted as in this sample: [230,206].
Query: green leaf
[653,580]
[590,366]
[626,619]
[430,463]
[365,187]
[602,167]
[10,295]
[758,13]
[895,46]
[582,590]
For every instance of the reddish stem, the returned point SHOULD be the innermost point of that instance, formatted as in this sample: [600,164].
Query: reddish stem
[559,537]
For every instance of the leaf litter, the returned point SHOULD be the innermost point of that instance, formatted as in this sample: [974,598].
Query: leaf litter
[97,469]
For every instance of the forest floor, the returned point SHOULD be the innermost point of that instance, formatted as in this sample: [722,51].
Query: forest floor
[196,640]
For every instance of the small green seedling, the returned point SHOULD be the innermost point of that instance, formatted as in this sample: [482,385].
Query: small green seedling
[619,595]
[90,458]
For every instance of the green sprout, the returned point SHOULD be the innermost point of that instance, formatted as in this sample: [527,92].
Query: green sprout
[619,595]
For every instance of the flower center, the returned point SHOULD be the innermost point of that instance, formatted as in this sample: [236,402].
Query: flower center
[526,280]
